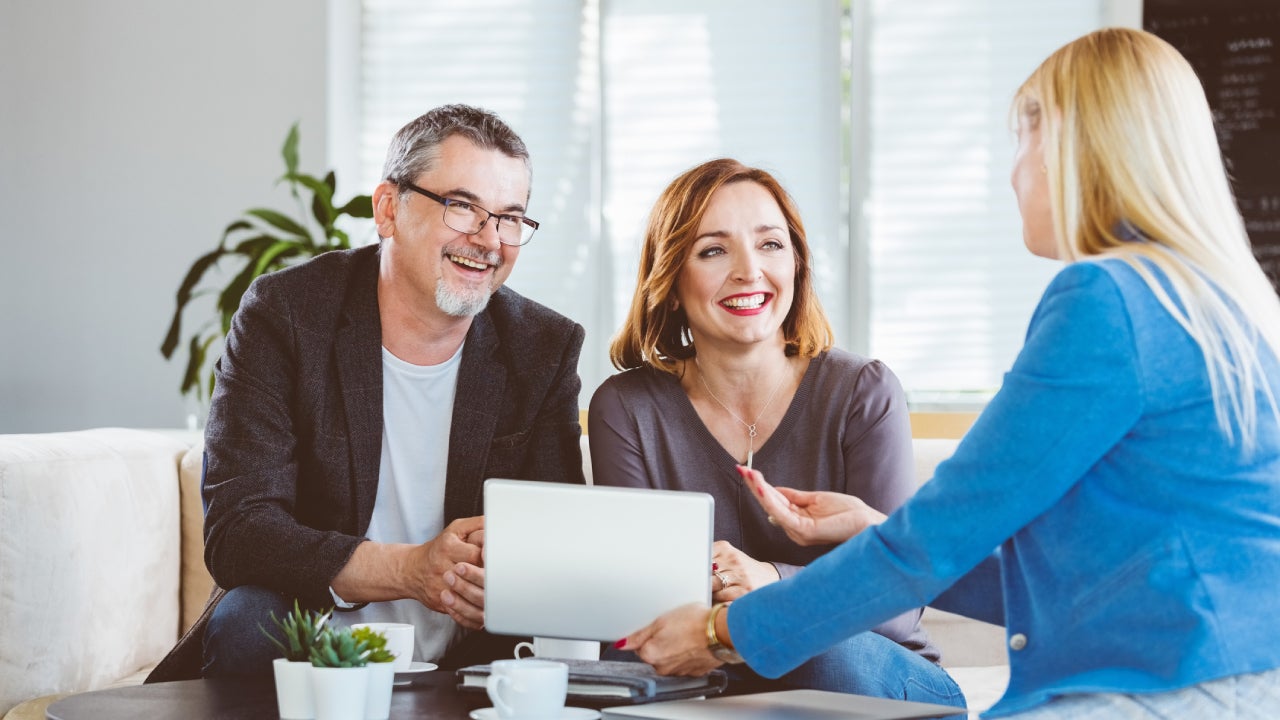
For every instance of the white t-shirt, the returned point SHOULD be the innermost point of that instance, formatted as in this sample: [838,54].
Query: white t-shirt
[417,412]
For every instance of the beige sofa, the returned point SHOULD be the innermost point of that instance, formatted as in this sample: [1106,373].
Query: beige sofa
[101,566]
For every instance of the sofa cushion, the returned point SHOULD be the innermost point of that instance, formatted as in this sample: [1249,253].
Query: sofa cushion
[89,555]
[196,581]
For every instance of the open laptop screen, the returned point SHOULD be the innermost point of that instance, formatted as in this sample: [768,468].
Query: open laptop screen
[591,563]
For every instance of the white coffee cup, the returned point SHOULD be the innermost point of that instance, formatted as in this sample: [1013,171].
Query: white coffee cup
[557,648]
[528,689]
[399,641]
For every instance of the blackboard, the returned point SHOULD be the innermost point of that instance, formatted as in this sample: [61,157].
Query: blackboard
[1234,46]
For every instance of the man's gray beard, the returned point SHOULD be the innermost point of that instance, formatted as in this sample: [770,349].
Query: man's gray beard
[461,304]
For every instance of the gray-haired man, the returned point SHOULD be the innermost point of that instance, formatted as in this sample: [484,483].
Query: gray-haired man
[363,398]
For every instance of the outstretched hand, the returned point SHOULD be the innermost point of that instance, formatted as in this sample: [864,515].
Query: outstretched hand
[808,517]
[675,643]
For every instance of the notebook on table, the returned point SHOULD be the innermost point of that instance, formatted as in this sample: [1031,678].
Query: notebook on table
[610,682]
[784,705]
[581,562]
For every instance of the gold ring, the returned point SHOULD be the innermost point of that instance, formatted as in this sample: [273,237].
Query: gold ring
[773,521]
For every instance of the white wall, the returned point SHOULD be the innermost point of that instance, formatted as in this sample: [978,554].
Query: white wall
[131,133]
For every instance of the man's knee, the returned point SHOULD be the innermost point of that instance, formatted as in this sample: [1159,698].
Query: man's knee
[234,643]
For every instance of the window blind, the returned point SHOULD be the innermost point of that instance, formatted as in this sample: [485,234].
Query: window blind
[951,285]
[907,105]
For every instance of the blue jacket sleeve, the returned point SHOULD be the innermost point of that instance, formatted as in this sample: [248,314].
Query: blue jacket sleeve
[1073,392]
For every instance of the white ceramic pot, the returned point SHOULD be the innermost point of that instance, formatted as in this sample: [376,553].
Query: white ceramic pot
[377,705]
[293,690]
[339,693]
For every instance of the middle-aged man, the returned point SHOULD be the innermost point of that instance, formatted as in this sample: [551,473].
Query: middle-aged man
[363,398]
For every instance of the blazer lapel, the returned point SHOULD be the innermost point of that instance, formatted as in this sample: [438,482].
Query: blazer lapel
[481,385]
[358,358]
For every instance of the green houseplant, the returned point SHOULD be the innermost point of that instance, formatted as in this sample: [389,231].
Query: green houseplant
[341,648]
[382,673]
[261,240]
[300,630]
[340,685]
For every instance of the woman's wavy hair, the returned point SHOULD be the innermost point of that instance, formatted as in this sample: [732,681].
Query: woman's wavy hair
[1135,172]
[656,334]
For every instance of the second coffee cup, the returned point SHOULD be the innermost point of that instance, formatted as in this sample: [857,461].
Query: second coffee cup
[556,648]
[399,641]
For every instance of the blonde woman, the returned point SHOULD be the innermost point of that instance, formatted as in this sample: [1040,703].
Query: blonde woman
[1127,474]
[727,359]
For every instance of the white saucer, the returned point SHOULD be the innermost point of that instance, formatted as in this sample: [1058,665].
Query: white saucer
[403,677]
[568,713]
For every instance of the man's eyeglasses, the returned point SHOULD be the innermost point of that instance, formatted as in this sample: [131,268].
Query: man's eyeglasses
[469,218]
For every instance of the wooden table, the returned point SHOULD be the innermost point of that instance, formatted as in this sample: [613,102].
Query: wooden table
[432,696]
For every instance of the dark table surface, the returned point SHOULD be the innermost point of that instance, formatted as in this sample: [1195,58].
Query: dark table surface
[431,696]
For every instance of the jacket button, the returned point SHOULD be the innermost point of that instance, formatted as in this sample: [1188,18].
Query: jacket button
[1017,641]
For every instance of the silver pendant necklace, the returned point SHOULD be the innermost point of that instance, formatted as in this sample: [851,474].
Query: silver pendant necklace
[751,427]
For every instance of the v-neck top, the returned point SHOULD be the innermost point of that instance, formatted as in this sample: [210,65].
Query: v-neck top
[847,429]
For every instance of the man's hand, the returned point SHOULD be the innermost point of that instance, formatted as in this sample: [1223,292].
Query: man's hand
[811,518]
[447,574]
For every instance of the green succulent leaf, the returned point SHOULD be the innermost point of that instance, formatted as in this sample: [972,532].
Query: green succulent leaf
[298,632]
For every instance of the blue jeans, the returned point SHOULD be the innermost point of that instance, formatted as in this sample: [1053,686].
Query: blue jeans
[865,664]
[233,643]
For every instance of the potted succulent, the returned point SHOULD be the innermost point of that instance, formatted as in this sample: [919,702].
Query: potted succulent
[382,673]
[339,675]
[298,633]
[261,240]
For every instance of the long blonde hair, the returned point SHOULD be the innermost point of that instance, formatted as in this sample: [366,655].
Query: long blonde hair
[1130,150]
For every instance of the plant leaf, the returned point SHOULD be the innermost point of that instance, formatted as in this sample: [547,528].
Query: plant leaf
[290,150]
[281,221]
[360,206]
[281,250]
[322,213]
[233,227]
[255,245]
[229,300]
[197,351]
[197,271]
[343,240]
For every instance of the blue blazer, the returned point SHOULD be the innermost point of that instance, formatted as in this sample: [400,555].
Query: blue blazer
[1138,547]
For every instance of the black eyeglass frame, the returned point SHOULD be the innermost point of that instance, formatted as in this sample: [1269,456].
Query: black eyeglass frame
[447,202]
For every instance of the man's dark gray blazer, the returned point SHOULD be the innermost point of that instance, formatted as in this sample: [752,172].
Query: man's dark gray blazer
[294,438]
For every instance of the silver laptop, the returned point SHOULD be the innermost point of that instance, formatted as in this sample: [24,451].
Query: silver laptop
[591,563]
[784,705]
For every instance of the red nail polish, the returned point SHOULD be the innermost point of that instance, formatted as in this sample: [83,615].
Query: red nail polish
[620,644]
[742,470]
[715,567]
